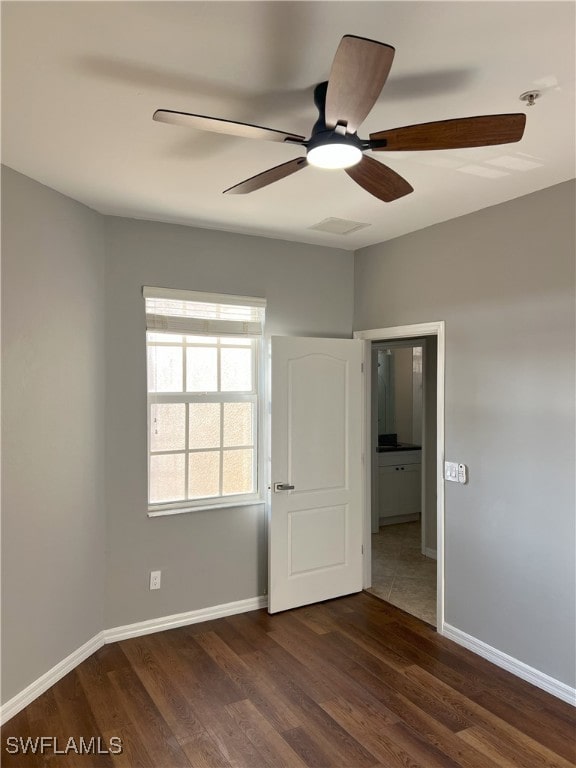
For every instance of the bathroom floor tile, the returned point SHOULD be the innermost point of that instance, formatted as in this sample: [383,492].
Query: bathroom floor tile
[401,574]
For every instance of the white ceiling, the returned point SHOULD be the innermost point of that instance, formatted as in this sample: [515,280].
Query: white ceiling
[82,79]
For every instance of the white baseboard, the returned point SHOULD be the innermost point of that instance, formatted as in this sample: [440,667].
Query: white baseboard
[183,619]
[430,553]
[39,686]
[32,691]
[509,663]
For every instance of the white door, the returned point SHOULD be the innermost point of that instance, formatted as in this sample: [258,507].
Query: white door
[315,524]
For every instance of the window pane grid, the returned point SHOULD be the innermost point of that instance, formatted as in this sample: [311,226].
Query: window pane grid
[241,363]
[202,450]
[222,451]
[204,471]
[221,465]
[186,460]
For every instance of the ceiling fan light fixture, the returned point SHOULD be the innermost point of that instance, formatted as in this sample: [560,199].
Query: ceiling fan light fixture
[334,155]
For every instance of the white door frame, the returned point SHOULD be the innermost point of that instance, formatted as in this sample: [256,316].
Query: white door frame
[388,334]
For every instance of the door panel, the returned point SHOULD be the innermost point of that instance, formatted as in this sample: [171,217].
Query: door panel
[315,531]
[317,388]
[306,553]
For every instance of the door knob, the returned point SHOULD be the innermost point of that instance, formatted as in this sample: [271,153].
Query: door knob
[282,487]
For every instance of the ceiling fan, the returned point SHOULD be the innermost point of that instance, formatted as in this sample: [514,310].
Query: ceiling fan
[359,71]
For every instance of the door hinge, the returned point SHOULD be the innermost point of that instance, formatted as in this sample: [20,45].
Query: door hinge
[362,548]
[362,367]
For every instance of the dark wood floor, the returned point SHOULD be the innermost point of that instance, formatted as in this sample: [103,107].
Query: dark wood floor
[352,682]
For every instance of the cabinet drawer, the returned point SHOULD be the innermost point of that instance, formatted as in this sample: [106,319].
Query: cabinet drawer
[399,490]
[397,458]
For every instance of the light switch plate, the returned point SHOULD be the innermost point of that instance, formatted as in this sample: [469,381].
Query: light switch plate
[455,473]
[451,471]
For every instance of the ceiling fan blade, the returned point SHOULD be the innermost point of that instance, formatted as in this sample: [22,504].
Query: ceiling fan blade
[379,180]
[216,125]
[454,134]
[359,71]
[267,177]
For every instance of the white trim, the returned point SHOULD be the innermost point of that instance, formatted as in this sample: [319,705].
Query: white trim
[186,510]
[183,619]
[437,329]
[39,686]
[368,494]
[205,298]
[510,664]
[429,552]
[45,681]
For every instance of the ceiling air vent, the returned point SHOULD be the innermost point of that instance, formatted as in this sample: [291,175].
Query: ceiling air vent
[339,226]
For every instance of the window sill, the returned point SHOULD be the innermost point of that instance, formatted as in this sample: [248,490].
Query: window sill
[204,508]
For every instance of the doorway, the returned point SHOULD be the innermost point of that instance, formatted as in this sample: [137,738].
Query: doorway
[404,491]
[403,540]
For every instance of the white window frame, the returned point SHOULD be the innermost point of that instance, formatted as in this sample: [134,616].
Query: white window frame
[255,396]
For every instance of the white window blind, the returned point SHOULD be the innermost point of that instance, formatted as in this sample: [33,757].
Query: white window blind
[203,314]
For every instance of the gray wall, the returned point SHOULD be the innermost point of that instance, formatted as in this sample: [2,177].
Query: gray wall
[217,556]
[52,428]
[503,280]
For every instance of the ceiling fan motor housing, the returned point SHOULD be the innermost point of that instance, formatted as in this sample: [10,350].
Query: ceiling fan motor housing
[328,136]
[347,144]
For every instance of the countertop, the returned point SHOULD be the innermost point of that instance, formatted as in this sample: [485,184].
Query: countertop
[398,447]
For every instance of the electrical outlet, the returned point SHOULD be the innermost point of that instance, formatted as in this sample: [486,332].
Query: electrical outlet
[155,578]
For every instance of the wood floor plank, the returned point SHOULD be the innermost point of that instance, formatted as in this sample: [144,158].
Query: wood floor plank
[159,683]
[153,730]
[338,666]
[494,677]
[341,683]
[44,718]
[555,735]
[481,675]
[540,755]
[349,683]
[233,639]
[297,680]
[316,620]
[328,736]
[105,704]
[268,699]
[308,750]
[506,752]
[264,736]
[434,732]
[252,630]
[15,730]
[374,735]
[203,752]
[78,717]
[207,703]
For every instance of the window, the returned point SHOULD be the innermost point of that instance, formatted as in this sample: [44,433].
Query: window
[203,403]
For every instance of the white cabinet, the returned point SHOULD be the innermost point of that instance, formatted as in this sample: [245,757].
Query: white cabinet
[399,485]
